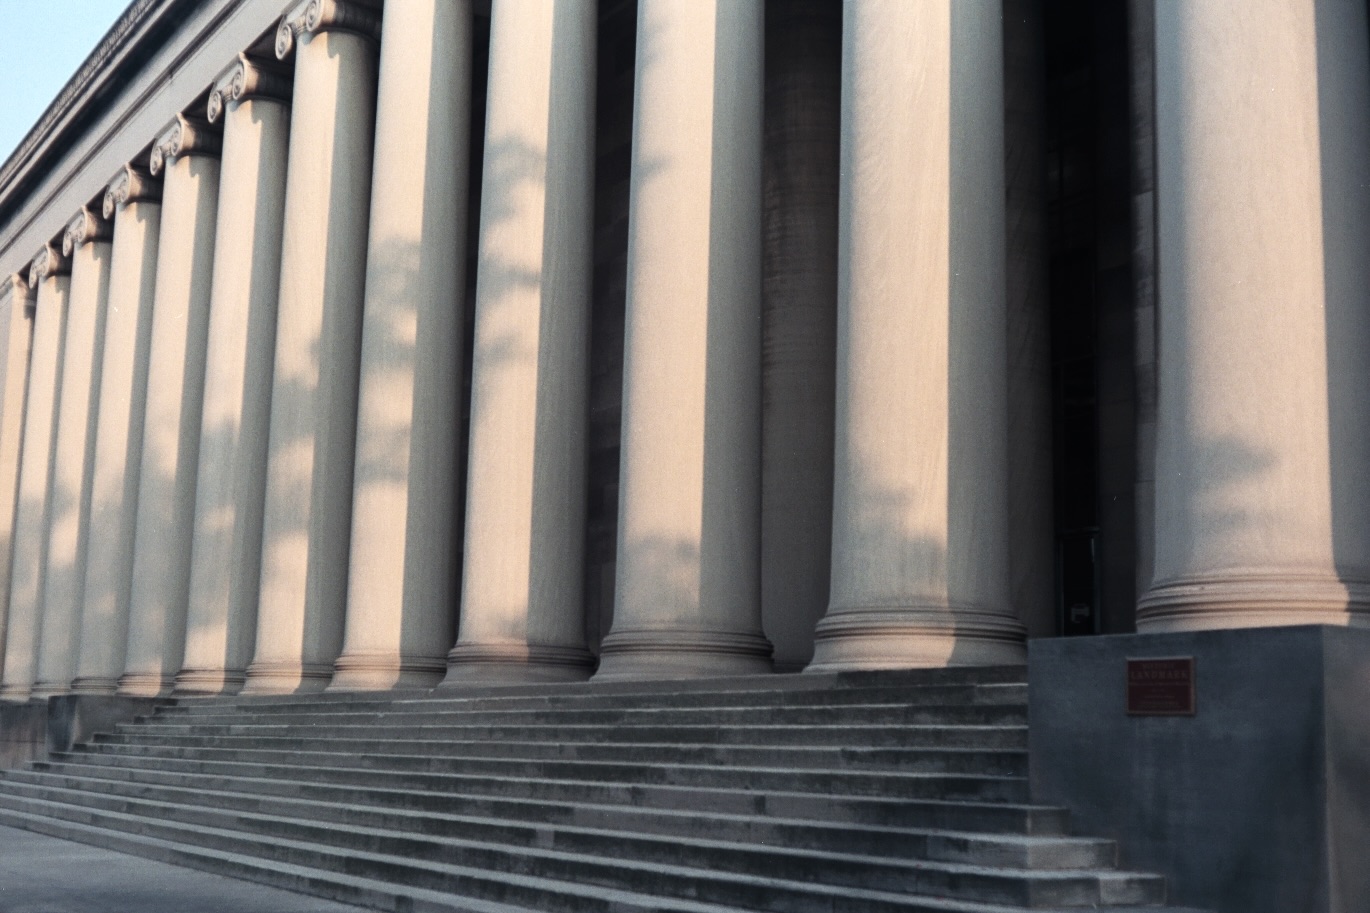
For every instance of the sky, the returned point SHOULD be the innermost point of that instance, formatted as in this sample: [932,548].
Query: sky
[48,41]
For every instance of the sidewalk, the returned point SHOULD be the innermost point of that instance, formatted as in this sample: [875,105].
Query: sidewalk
[41,874]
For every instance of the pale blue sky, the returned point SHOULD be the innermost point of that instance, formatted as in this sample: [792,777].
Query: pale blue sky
[47,41]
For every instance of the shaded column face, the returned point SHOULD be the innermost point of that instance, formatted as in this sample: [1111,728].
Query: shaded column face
[187,157]
[50,274]
[17,298]
[251,101]
[1262,511]
[522,614]
[132,204]
[86,243]
[686,598]
[920,538]
[307,524]
[401,599]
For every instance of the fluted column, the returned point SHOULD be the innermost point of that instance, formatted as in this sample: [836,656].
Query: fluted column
[305,535]
[522,615]
[920,572]
[132,201]
[17,298]
[86,243]
[687,596]
[251,99]
[50,274]
[1263,222]
[188,153]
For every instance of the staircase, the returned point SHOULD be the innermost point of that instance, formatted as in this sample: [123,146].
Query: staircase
[882,792]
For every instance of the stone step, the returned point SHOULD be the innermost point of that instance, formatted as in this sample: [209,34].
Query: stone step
[580,827]
[423,862]
[1002,762]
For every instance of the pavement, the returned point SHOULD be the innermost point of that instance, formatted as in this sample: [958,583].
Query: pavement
[40,874]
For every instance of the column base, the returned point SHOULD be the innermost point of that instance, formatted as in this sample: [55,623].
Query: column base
[208,682]
[480,663]
[45,690]
[1251,601]
[14,693]
[385,671]
[95,684]
[287,678]
[145,684]
[681,653]
[916,637]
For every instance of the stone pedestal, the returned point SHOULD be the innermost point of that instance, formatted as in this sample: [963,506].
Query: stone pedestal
[920,572]
[522,615]
[312,441]
[401,596]
[1263,213]
[687,596]
[17,298]
[188,153]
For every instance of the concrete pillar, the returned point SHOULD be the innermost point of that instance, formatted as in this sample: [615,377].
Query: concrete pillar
[86,243]
[189,153]
[1263,213]
[251,100]
[50,274]
[305,535]
[687,598]
[522,614]
[132,201]
[401,596]
[17,298]
[920,571]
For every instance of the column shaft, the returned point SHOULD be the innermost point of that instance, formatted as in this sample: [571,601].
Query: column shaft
[687,598]
[188,153]
[920,512]
[305,535]
[1263,435]
[50,275]
[17,298]
[252,100]
[87,244]
[522,614]
[132,201]
[401,598]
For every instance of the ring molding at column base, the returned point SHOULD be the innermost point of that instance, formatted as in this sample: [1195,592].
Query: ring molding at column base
[208,682]
[287,678]
[1253,601]
[95,684]
[45,690]
[663,653]
[914,637]
[15,693]
[386,672]
[145,684]
[514,663]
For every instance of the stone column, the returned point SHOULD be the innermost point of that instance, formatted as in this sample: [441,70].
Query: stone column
[920,572]
[132,201]
[17,298]
[522,615]
[50,274]
[1263,218]
[305,534]
[401,595]
[189,153]
[687,598]
[251,99]
[86,243]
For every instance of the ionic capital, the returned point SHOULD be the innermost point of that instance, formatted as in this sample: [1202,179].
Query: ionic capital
[15,289]
[131,185]
[49,261]
[83,229]
[185,136]
[248,77]
[309,17]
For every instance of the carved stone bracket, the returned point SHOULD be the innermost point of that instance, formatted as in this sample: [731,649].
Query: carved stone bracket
[312,16]
[85,228]
[185,136]
[49,261]
[248,77]
[132,184]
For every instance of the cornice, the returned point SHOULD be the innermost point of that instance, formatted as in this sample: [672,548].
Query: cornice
[310,17]
[131,184]
[48,262]
[248,77]
[185,135]
[85,228]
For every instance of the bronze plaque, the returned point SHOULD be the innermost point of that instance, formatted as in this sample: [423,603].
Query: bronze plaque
[1160,687]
